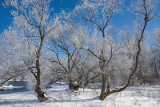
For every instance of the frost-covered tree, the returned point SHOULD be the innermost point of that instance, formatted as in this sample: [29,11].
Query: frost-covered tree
[145,12]
[155,64]
[157,37]
[99,13]
[34,19]
[13,49]
[144,73]
[68,54]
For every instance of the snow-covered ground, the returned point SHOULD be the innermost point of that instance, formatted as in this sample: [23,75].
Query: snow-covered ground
[59,96]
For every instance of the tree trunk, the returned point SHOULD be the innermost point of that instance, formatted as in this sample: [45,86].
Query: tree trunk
[103,88]
[70,81]
[40,94]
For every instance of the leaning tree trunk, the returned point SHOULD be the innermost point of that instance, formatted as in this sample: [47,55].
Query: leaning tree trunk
[108,92]
[40,94]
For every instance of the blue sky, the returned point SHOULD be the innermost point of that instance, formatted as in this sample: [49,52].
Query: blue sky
[58,5]
[118,21]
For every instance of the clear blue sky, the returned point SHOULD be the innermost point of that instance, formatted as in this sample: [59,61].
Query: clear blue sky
[119,20]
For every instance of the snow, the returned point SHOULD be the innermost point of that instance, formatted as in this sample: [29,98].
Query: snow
[60,96]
